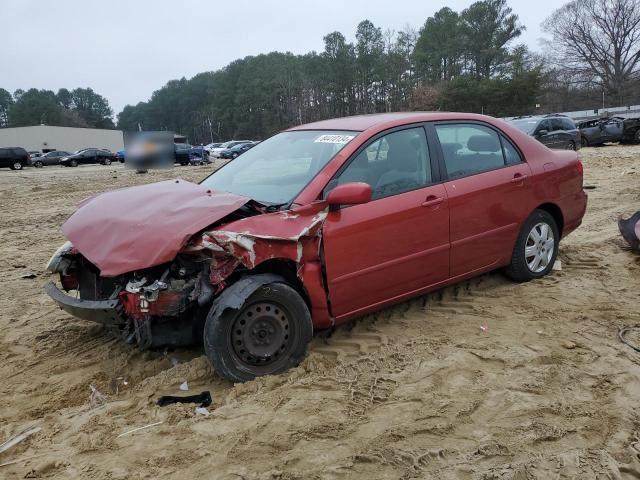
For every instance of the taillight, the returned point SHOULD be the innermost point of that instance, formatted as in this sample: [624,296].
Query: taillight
[579,167]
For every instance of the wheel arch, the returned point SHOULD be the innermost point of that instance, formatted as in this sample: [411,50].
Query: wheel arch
[555,211]
[287,269]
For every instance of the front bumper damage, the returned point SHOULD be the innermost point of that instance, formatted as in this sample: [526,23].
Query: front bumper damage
[106,312]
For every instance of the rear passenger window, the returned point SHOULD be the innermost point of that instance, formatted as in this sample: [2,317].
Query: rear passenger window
[511,155]
[469,149]
[392,164]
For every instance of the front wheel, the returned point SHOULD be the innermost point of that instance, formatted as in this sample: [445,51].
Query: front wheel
[536,248]
[584,142]
[38,164]
[571,146]
[73,163]
[107,161]
[267,335]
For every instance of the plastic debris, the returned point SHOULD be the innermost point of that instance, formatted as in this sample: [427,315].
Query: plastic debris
[20,437]
[96,398]
[202,411]
[557,265]
[204,399]
[485,327]
[184,386]
[139,428]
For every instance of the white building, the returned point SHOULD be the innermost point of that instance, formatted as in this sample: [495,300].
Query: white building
[70,139]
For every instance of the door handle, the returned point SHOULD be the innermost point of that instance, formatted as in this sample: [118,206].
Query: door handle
[518,177]
[432,201]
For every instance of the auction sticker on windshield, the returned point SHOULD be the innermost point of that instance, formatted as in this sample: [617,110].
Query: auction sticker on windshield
[339,139]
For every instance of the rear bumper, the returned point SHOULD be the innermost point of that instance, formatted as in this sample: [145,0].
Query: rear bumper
[107,312]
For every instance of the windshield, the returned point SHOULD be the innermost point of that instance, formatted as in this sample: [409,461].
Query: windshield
[527,126]
[276,170]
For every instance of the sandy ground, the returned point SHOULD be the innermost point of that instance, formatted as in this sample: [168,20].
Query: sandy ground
[414,391]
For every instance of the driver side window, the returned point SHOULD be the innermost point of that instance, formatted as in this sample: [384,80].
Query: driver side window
[392,164]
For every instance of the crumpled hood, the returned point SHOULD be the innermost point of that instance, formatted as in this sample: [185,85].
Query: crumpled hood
[140,227]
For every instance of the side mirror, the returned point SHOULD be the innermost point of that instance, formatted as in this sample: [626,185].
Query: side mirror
[541,133]
[349,194]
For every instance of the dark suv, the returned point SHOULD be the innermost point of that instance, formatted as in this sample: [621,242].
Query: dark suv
[555,131]
[16,158]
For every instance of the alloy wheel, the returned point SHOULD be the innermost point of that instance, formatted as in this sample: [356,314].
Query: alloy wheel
[539,247]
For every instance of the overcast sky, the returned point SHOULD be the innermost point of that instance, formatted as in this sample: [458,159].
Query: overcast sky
[125,50]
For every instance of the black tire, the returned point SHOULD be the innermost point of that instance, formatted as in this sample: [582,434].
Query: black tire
[234,155]
[38,164]
[106,161]
[73,163]
[584,142]
[571,145]
[637,136]
[268,335]
[16,166]
[519,270]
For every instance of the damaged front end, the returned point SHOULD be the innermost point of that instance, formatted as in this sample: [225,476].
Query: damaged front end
[152,307]
[166,304]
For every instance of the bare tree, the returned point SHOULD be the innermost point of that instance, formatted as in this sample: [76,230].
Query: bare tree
[597,41]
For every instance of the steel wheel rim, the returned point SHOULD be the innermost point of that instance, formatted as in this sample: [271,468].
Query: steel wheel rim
[261,335]
[539,247]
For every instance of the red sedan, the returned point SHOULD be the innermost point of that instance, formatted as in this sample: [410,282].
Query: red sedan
[317,225]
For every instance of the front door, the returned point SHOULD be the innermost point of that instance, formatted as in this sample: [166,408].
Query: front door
[488,186]
[396,244]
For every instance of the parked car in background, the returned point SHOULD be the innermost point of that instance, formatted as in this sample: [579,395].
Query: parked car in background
[631,130]
[120,155]
[236,151]
[305,230]
[16,158]
[211,146]
[88,155]
[215,152]
[50,158]
[34,153]
[199,154]
[554,131]
[182,153]
[601,130]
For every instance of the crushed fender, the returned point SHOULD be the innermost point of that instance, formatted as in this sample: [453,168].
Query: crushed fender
[294,236]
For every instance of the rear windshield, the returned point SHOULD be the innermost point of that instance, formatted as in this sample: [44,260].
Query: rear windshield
[526,125]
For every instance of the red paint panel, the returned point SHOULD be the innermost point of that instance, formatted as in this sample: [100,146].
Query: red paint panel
[384,248]
[140,227]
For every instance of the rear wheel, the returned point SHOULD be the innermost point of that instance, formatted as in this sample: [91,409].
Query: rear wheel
[38,164]
[73,163]
[536,248]
[16,166]
[107,161]
[571,145]
[637,136]
[267,335]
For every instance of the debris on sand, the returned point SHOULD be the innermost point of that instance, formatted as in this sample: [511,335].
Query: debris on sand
[138,429]
[96,398]
[20,437]
[184,386]
[204,399]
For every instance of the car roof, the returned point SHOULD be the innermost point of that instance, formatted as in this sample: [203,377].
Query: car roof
[361,123]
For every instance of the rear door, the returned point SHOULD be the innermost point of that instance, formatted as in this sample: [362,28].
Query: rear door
[398,243]
[488,187]
[549,139]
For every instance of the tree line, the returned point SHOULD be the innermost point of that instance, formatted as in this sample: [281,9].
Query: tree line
[80,107]
[457,61]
